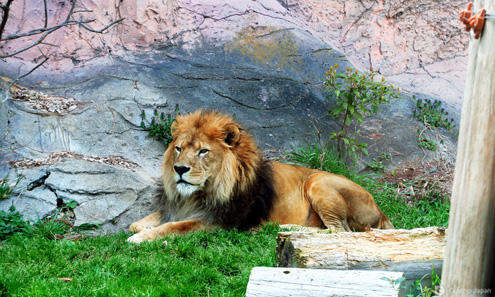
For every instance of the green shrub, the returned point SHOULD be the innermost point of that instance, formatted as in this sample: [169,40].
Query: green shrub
[427,144]
[159,126]
[432,113]
[356,96]
[12,222]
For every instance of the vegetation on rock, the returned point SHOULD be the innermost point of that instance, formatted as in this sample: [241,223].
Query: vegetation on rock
[159,126]
[357,95]
[433,114]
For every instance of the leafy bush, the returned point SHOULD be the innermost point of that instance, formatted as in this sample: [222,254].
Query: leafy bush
[356,96]
[12,222]
[432,113]
[427,144]
[159,126]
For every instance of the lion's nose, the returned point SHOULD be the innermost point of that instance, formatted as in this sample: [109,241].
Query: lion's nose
[181,169]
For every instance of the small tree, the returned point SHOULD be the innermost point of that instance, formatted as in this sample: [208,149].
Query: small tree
[356,96]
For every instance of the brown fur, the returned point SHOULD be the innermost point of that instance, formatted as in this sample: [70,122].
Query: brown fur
[231,185]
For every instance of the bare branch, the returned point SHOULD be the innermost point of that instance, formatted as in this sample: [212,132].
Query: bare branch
[71,11]
[46,14]
[32,44]
[29,72]
[42,30]
[82,24]
[5,15]
[46,31]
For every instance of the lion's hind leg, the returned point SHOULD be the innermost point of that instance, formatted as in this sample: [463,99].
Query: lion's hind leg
[328,204]
[148,222]
[342,204]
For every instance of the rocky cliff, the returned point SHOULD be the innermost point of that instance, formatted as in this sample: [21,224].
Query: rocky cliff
[80,138]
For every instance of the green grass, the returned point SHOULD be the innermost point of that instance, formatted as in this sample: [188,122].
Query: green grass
[217,263]
[431,209]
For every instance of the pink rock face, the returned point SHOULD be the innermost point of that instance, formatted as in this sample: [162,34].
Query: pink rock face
[418,45]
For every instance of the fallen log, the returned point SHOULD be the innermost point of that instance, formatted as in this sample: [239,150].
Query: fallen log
[415,252]
[282,282]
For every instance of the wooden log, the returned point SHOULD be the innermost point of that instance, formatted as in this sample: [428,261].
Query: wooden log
[470,255]
[283,282]
[415,252]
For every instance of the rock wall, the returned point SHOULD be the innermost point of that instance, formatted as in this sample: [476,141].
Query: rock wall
[77,137]
[419,45]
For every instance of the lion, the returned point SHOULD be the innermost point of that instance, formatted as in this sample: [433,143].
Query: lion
[214,175]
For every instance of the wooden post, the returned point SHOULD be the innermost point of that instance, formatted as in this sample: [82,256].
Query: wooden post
[469,259]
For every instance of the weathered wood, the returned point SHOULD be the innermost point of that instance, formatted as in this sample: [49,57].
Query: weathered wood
[283,282]
[469,259]
[414,252]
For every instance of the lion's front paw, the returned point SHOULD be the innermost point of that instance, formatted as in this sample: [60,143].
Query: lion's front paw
[136,227]
[140,237]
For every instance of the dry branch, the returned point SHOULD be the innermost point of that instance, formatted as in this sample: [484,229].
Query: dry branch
[45,31]
[5,15]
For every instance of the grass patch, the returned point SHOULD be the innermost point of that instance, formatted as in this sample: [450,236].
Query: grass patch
[217,263]
[428,209]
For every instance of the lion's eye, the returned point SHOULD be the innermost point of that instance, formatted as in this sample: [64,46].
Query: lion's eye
[178,149]
[203,152]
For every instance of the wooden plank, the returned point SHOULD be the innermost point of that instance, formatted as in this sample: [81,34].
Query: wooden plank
[414,252]
[470,255]
[283,282]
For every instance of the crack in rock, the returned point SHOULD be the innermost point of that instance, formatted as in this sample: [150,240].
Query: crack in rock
[253,107]
[39,181]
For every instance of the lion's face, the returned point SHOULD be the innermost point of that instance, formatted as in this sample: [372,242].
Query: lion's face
[209,153]
[195,160]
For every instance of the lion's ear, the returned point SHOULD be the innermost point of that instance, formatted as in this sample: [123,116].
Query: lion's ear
[232,133]
[173,128]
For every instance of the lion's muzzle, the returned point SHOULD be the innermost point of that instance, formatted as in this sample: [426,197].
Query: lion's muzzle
[181,169]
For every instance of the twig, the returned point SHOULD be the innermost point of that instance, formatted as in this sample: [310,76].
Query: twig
[29,72]
[5,15]
[46,31]
[82,24]
[46,13]
[37,31]
[51,30]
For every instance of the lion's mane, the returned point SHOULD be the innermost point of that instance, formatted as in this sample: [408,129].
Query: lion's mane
[240,195]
